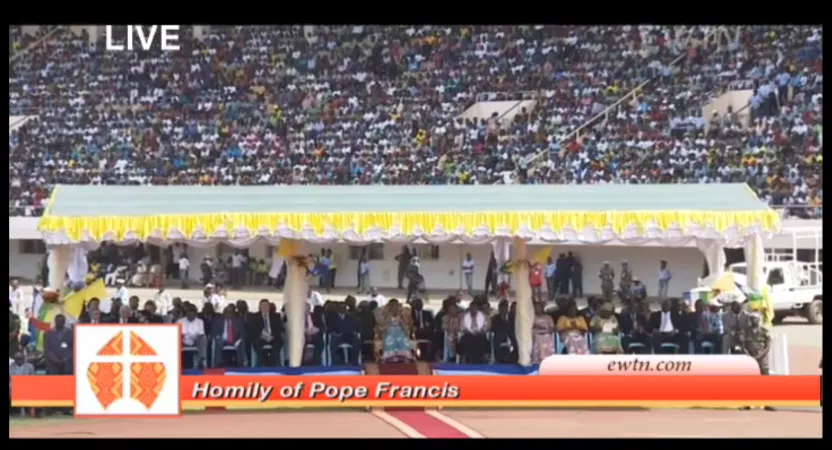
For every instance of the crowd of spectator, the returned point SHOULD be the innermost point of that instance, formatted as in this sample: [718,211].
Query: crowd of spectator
[378,104]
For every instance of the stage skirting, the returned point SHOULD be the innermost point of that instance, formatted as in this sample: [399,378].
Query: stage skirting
[484,369]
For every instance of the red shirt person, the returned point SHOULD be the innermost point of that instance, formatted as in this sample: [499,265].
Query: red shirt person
[536,281]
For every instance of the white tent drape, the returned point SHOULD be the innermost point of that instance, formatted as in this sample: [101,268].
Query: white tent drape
[60,257]
[714,253]
[78,266]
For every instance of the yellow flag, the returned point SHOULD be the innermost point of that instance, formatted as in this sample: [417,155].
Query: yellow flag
[725,283]
[74,302]
[287,248]
[542,255]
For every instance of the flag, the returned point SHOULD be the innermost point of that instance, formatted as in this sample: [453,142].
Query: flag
[74,301]
[761,302]
[542,256]
[43,314]
[287,248]
[725,283]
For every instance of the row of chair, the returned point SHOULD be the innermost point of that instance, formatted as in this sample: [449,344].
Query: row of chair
[219,353]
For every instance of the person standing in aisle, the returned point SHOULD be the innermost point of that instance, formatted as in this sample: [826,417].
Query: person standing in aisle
[757,344]
[333,269]
[626,281]
[577,274]
[607,276]
[468,273]
[184,270]
[403,259]
[363,275]
[551,278]
[491,275]
[664,279]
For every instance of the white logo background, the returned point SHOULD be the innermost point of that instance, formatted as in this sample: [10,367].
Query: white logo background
[164,339]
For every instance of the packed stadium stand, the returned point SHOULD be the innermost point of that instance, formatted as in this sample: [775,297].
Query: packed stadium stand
[418,105]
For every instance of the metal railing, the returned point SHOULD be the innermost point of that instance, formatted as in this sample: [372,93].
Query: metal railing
[799,211]
[42,40]
[605,113]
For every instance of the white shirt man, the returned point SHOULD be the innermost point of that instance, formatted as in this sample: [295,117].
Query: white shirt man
[237,261]
[184,264]
[16,298]
[314,299]
[214,298]
[163,301]
[666,324]
[468,267]
[121,292]
[191,329]
[378,298]
[474,324]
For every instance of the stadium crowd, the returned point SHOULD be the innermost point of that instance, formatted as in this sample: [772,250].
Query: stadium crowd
[378,104]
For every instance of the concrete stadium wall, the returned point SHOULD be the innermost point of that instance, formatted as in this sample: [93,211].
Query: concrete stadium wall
[484,110]
[737,100]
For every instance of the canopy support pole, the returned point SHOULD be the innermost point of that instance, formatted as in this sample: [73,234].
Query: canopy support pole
[294,298]
[755,258]
[524,317]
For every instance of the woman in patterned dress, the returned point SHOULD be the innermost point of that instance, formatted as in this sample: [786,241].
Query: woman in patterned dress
[605,330]
[450,327]
[572,329]
[392,336]
[543,334]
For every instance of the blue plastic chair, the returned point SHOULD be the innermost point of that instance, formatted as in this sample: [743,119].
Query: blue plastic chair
[674,348]
[254,359]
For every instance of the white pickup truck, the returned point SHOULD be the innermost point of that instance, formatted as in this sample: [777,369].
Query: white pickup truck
[795,288]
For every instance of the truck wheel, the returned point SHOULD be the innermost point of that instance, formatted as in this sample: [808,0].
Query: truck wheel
[814,312]
[778,318]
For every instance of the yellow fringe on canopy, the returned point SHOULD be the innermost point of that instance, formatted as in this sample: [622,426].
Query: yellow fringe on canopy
[145,226]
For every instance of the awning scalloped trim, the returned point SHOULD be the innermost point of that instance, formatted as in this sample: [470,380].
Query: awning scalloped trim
[363,227]
[732,235]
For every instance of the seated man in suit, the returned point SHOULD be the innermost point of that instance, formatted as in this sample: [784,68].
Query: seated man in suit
[423,330]
[343,328]
[228,330]
[633,325]
[505,341]
[667,327]
[592,305]
[193,334]
[125,315]
[266,330]
[148,314]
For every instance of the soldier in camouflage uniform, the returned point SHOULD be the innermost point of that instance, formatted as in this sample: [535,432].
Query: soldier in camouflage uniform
[607,276]
[626,281]
[757,343]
